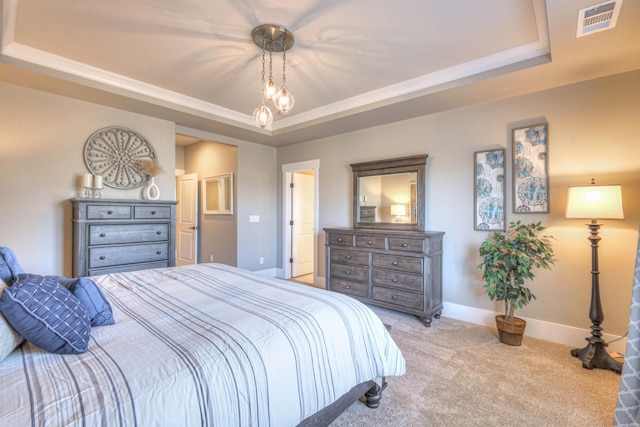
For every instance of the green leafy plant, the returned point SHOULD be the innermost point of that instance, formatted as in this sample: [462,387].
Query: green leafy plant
[509,259]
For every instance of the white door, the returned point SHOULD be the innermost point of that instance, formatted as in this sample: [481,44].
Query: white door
[302,232]
[187,219]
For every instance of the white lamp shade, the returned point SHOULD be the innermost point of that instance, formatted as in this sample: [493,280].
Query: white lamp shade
[595,202]
[398,210]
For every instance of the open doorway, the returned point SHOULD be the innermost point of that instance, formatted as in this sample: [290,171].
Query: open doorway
[300,221]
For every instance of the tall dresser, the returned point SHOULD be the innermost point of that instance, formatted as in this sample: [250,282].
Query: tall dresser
[113,235]
[396,269]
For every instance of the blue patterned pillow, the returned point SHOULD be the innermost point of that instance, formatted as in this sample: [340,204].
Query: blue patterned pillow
[98,307]
[46,314]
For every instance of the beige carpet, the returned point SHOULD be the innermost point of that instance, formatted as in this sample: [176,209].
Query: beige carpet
[459,374]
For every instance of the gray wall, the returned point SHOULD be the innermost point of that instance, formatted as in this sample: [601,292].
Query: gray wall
[217,233]
[256,195]
[593,133]
[42,138]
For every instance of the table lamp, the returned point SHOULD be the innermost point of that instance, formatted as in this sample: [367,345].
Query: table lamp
[398,210]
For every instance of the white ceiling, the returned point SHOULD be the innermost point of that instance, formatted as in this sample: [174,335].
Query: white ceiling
[355,63]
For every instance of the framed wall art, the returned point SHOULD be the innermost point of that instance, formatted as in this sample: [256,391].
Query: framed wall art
[489,190]
[115,153]
[529,149]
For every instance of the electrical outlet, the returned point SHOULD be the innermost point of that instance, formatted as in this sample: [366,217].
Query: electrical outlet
[261,260]
[211,258]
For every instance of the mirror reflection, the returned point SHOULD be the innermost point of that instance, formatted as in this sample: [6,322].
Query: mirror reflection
[217,194]
[389,198]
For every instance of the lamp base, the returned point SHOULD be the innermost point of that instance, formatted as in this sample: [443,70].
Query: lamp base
[595,355]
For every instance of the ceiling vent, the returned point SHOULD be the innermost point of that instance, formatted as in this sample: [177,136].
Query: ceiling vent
[599,17]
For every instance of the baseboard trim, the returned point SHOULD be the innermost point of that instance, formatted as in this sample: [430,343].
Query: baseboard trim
[541,329]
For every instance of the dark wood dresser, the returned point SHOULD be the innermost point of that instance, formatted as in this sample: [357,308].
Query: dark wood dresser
[113,235]
[396,269]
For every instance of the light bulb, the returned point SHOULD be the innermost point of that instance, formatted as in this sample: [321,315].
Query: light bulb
[284,101]
[270,90]
[262,116]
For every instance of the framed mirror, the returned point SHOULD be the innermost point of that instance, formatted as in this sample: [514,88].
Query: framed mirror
[390,193]
[217,194]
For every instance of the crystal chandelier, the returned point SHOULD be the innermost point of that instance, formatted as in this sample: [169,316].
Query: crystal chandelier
[272,38]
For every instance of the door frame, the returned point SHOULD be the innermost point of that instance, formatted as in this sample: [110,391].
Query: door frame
[287,170]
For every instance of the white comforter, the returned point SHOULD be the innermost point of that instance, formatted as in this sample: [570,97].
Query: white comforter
[205,345]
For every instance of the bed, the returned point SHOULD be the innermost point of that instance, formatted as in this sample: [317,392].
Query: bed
[210,345]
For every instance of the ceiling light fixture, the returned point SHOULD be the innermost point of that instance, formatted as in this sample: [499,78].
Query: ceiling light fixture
[275,38]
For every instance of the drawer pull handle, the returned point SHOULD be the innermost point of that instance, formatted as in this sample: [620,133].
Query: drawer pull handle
[404,245]
[370,242]
[348,272]
[153,212]
[348,257]
[109,212]
[348,287]
[102,257]
[394,297]
[394,280]
[158,232]
[394,263]
[158,252]
[340,239]
[102,234]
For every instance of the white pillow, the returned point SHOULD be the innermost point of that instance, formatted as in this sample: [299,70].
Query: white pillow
[9,338]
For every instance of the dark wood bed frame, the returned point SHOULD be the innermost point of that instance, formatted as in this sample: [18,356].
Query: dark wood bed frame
[371,391]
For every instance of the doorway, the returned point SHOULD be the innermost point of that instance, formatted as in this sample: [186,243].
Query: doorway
[300,221]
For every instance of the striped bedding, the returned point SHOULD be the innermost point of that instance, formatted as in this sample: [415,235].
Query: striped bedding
[205,344]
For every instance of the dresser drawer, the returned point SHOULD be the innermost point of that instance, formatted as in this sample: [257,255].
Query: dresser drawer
[399,263]
[399,298]
[130,254]
[349,288]
[350,272]
[108,212]
[127,233]
[397,280]
[351,257]
[406,245]
[128,267]
[152,212]
[370,242]
[367,210]
[341,239]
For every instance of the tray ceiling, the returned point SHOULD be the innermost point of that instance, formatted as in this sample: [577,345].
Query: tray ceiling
[354,64]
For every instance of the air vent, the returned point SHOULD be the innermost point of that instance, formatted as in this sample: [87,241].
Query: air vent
[599,17]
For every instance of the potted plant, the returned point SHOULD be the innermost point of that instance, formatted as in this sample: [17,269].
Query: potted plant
[509,259]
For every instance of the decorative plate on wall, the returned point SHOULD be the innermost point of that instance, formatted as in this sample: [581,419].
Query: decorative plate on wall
[115,153]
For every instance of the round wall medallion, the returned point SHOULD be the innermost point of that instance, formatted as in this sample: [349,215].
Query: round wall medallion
[115,153]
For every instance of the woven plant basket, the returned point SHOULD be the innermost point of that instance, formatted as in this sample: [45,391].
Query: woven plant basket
[510,333]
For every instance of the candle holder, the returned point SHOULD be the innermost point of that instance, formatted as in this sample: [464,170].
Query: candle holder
[97,186]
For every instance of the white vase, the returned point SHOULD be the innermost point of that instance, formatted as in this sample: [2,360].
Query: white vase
[151,191]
